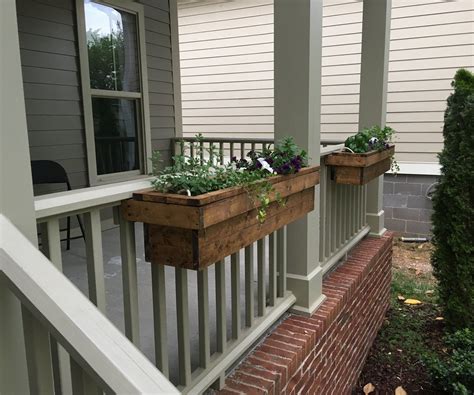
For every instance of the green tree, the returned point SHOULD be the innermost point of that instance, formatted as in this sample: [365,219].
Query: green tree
[453,203]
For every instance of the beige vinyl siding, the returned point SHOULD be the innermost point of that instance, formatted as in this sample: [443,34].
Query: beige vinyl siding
[226,51]
[227,68]
[51,76]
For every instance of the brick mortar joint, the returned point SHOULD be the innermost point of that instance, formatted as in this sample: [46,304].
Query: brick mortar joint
[331,327]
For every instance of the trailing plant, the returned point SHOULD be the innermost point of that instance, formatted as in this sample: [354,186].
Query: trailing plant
[454,372]
[453,204]
[372,139]
[201,173]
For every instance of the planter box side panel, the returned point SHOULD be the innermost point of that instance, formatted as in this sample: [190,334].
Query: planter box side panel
[179,216]
[171,246]
[359,160]
[359,175]
[199,249]
[224,209]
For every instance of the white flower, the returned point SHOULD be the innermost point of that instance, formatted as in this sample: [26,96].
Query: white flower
[188,192]
[265,165]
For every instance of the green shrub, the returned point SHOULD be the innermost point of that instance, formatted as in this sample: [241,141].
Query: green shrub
[455,373]
[369,139]
[453,203]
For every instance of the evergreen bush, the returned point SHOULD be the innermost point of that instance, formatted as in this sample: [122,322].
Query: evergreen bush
[453,203]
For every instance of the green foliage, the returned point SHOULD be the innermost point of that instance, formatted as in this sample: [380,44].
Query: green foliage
[422,286]
[106,72]
[455,372]
[201,173]
[453,203]
[285,158]
[372,139]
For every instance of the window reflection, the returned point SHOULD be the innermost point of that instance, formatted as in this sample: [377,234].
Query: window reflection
[116,135]
[112,48]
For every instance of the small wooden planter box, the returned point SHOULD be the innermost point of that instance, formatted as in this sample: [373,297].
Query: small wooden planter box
[359,169]
[197,231]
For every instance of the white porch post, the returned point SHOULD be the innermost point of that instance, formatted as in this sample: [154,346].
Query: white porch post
[373,92]
[16,203]
[298,43]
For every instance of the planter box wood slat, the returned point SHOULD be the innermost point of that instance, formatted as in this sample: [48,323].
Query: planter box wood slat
[195,231]
[359,169]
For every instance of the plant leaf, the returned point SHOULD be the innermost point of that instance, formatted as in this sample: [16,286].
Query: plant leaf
[368,388]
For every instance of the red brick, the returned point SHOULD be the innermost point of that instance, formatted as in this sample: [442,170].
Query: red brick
[243,388]
[323,354]
[243,377]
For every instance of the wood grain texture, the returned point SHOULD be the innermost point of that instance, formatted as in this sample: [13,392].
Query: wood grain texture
[359,175]
[197,249]
[359,160]
[194,237]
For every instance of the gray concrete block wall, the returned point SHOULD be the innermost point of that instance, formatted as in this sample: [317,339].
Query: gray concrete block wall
[407,207]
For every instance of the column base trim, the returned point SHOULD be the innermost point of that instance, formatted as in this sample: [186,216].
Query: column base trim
[308,291]
[308,312]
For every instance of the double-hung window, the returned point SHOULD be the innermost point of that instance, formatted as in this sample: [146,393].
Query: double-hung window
[114,88]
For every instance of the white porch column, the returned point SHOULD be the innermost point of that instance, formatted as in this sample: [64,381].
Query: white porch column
[373,91]
[298,43]
[16,203]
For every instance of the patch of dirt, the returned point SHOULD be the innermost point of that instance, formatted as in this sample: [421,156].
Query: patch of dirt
[397,361]
[412,256]
[409,333]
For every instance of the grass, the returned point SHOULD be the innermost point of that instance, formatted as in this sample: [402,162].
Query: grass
[404,333]
[415,286]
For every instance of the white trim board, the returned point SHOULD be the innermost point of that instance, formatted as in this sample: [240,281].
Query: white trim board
[419,169]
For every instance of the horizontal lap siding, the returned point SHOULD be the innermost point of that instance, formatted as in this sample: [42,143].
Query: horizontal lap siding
[52,85]
[226,51]
[160,73]
[51,79]
[429,42]
[227,68]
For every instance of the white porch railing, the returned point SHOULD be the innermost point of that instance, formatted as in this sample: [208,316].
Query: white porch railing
[266,298]
[99,356]
[342,212]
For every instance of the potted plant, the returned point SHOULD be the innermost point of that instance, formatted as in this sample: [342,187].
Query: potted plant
[198,212]
[365,156]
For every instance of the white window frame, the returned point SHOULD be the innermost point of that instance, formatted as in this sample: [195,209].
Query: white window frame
[144,129]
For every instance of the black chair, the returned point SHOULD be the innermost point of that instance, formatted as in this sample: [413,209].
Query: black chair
[50,172]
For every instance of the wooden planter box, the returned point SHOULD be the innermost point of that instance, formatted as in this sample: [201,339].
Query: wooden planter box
[196,231]
[359,169]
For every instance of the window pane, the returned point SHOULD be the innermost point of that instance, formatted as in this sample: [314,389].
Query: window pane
[112,48]
[116,136]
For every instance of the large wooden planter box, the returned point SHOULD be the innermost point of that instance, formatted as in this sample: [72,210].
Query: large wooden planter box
[359,169]
[196,231]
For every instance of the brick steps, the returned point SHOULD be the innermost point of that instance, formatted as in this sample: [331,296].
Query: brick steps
[323,354]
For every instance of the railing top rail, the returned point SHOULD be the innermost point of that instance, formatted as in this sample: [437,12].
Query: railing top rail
[329,149]
[249,140]
[80,199]
[67,202]
[89,336]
